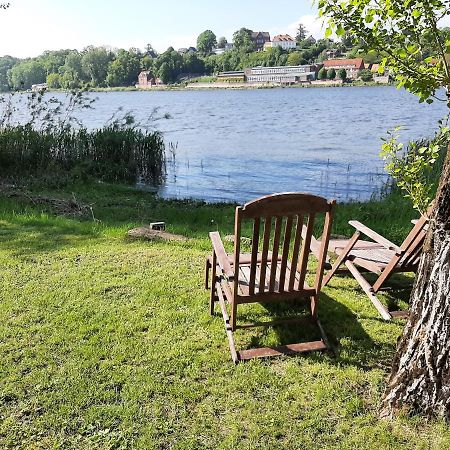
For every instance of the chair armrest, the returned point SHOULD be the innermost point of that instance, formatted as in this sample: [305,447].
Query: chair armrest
[375,236]
[221,254]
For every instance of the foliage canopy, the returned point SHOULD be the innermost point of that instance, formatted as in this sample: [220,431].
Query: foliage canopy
[406,32]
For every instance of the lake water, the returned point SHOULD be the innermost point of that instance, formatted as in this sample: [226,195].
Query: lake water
[236,145]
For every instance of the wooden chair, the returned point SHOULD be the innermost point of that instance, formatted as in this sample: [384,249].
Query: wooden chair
[379,256]
[275,270]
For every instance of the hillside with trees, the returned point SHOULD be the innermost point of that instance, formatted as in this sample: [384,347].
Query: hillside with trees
[101,67]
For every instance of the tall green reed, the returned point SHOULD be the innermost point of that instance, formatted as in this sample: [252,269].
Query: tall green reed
[54,142]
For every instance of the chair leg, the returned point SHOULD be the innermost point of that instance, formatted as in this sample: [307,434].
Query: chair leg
[314,299]
[341,258]
[233,316]
[213,295]
[385,275]
[368,290]
[207,269]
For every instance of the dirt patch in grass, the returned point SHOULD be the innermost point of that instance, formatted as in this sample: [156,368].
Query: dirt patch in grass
[150,234]
[69,207]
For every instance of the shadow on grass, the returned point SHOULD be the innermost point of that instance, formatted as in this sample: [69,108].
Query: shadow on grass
[395,292]
[28,233]
[350,343]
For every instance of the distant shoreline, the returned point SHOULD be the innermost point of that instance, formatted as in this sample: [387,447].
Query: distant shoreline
[220,87]
[237,87]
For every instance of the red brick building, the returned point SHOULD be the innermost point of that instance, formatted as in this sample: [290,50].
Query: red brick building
[147,80]
[259,38]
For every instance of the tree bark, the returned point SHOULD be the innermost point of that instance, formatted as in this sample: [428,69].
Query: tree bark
[420,378]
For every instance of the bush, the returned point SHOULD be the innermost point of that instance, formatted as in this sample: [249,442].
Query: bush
[294,59]
[342,74]
[365,75]
[54,81]
[322,75]
[331,74]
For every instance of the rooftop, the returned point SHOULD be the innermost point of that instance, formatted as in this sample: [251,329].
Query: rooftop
[265,34]
[358,62]
[283,37]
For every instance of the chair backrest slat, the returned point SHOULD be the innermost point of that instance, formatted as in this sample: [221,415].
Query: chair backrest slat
[265,251]
[412,245]
[413,254]
[305,251]
[324,241]
[285,254]
[275,250]
[253,264]
[296,251]
[280,253]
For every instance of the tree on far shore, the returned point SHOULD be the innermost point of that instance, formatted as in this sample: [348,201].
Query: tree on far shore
[294,59]
[342,74]
[54,80]
[301,33]
[331,74]
[366,75]
[242,41]
[206,42]
[322,75]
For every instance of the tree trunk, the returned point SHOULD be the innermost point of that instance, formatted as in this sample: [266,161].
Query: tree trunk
[420,376]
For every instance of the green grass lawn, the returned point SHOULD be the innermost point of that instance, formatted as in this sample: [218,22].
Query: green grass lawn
[107,342]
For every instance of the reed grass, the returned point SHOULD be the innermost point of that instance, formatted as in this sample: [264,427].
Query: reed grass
[106,154]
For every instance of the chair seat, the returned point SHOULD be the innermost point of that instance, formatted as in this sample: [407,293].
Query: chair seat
[379,256]
[245,258]
[364,250]
[370,252]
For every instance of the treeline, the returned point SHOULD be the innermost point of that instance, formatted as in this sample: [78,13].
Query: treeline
[102,67]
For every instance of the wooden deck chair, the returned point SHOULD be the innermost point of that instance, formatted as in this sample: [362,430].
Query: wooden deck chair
[379,256]
[275,270]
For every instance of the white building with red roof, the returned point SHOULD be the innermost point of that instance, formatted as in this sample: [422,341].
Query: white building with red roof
[284,41]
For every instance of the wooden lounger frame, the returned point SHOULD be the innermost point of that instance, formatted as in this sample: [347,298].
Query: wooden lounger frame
[275,270]
[379,256]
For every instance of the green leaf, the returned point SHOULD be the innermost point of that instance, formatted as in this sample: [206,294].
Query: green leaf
[340,30]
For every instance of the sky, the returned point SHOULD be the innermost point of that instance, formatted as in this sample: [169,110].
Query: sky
[30,27]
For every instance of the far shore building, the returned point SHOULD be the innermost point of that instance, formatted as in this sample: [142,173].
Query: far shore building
[184,50]
[232,76]
[286,75]
[39,87]
[228,46]
[284,41]
[146,80]
[351,66]
[259,38]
